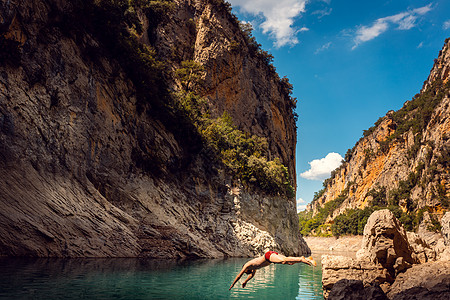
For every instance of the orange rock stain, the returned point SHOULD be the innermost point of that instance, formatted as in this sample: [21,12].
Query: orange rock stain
[104,104]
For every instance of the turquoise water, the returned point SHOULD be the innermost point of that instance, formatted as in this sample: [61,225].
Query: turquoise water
[149,279]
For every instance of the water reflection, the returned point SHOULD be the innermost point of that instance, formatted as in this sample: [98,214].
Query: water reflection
[151,279]
[310,281]
[351,254]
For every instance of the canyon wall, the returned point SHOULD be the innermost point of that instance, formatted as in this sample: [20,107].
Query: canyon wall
[89,169]
[403,159]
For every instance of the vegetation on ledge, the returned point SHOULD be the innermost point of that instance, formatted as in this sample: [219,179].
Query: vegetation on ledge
[352,221]
[244,155]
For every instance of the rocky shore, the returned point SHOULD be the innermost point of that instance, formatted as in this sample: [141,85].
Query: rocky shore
[392,263]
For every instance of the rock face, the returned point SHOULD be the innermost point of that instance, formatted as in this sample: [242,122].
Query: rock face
[86,170]
[304,247]
[395,156]
[386,258]
[443,245]
[445,228]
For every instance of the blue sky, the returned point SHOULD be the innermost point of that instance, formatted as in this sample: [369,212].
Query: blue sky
[350,62]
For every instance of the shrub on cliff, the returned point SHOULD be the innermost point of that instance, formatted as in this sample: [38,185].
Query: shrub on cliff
[190,75]
[245,155]
[309,224]
[351,222]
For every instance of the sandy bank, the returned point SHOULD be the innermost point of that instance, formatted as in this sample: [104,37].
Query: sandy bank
[333,245]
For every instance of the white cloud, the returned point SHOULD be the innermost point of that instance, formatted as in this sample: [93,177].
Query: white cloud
[407,23]
[422,10]
[322,12]
[323,48]
[278,17]
[420,45]
[301,205]
[446,25]
[321,168]
[365,34]
[404,21]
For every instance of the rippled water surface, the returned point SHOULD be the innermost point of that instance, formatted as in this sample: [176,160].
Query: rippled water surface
[149,279]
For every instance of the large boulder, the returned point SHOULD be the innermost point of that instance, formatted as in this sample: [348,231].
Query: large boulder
[336,268]
[430,281]
[346,289]
[438,292]
[388,257]
[385,242]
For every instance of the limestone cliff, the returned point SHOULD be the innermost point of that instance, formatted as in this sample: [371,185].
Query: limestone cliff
[403,160]
[95,162]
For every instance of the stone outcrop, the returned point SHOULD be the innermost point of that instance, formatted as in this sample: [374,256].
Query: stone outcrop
[427,244]
[422,251]
[388,259]
[87,169]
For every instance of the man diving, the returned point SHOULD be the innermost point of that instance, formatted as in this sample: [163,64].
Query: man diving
[269,257]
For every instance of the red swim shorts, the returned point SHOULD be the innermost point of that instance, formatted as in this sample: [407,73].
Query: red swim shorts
[268,254]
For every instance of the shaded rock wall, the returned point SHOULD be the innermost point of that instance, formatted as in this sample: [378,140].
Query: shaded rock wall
[346,289]
[85,171]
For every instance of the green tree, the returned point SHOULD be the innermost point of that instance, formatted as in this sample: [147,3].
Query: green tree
[190,75]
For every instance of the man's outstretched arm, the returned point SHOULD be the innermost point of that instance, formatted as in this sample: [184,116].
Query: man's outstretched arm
[238,276]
